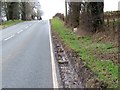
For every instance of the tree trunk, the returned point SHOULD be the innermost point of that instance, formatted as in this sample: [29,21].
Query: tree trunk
[74,13]
[66,12]
[0,8]
[95,9]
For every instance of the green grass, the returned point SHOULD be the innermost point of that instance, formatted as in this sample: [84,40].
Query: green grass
[106,70]
[9,23]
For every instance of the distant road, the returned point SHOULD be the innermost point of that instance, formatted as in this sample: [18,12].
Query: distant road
[26,56]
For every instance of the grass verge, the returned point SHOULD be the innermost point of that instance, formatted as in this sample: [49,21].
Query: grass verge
[9,23]
[106,70]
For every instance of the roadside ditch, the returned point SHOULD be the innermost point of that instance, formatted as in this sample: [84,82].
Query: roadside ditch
[73,71]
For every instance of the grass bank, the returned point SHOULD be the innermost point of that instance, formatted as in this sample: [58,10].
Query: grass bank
[106,70]
[9,23]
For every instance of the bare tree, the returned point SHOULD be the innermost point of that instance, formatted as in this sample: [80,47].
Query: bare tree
[27,10]
[21,10]
[0,8]
[39,12]
[12,10]
[0,12]
[66,12]
[95,10]
[91,14]
[74,13]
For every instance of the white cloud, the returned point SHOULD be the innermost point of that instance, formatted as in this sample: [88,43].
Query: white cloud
[51,7]
[111,5]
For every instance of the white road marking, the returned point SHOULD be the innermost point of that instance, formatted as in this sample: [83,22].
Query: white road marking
[19,31]
[55,82]
[9,37]
[26,27]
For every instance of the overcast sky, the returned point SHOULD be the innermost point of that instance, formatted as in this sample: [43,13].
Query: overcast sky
[51,7]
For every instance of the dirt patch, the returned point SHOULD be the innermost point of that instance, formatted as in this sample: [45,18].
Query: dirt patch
[107,36]
[104,37]
[107,56]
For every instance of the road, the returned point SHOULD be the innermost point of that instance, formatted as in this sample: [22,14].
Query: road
[26,56]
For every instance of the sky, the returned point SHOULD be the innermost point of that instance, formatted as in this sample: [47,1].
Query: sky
[51,7]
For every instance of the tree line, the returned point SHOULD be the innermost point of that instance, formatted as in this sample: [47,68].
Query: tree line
[21,10]
[86,14]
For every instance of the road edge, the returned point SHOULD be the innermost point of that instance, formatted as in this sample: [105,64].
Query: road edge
[54,74]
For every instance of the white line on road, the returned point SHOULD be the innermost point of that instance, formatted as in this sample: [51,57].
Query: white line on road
[26,27]
[19,31]
[9,37]
[55,82]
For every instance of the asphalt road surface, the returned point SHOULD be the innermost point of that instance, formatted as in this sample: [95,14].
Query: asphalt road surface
[26,56]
